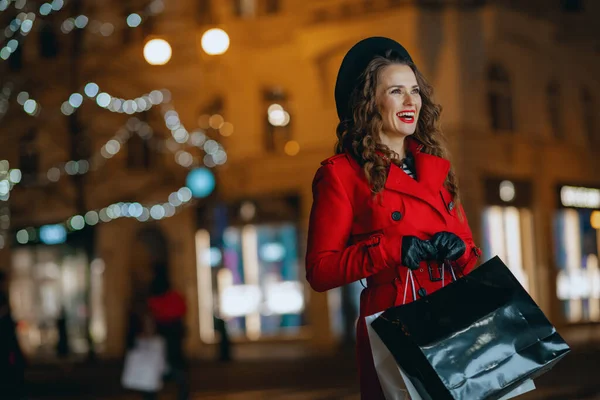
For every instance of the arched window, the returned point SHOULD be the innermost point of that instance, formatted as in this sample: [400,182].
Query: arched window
[48,41]
[588,115]
[553,109]
[29,156]
[204,12]
[500,99]
[277,121]
[138,147]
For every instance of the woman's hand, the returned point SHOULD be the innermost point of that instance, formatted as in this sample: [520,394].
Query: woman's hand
[415,250]
[448,246]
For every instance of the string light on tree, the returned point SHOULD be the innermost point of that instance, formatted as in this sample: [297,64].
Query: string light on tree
[143,213]
[8,179]
[113,103]
[133,20]
[23,24]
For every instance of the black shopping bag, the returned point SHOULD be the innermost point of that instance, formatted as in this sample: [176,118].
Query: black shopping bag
[477,338]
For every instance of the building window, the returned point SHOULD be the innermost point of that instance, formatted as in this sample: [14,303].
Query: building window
[272,6]
[29,156]
[254,280]
[572,5]
[252,8]
[48,288]
[589,122]
[277,121]
[500,99]
[204,12]
[576,253]
[138,153]
[138,148]
[554,110]
[211,115]
[245,8]
[48,41]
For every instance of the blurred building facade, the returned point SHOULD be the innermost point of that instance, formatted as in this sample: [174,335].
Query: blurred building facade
[520,100]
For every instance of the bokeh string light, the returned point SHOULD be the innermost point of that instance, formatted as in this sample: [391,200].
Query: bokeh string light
[8,179]
[112,103]
[106,29]
[214,152]
[23,23]
[176,201]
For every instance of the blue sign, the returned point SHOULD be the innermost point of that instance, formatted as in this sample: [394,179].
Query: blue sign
[53,234]
[201,181]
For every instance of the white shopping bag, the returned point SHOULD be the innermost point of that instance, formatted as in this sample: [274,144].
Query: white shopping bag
[145,365]
[395,383]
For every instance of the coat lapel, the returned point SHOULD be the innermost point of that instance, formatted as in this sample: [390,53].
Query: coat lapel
[431,173]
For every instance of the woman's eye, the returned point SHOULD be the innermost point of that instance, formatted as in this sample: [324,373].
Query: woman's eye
[416,91]
[396,91]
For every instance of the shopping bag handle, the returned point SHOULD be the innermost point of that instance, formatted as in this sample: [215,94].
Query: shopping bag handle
[445,264]
[409,276]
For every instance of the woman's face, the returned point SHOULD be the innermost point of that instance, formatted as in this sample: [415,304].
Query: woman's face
[398,99]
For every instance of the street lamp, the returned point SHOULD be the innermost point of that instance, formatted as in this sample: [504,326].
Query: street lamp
[157,52]
[215,41]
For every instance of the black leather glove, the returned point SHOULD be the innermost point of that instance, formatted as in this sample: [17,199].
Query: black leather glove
[448,246]
[415,250]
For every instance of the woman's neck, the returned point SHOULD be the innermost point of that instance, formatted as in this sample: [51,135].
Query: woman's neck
[395,143]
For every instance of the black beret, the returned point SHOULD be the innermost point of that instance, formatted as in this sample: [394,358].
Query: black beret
[355,62]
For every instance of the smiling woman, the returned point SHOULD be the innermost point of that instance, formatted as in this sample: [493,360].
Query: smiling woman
[386,206]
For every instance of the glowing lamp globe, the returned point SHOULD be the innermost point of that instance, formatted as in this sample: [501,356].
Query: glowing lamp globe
[157,52]
[215,41]
[201,181]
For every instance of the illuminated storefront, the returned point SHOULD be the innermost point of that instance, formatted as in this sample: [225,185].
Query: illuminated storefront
[50,282]
[248,270]
[576,238]
[508,228]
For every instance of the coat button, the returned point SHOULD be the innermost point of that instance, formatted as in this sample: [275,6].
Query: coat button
[396,215]
[451,206]
[422,292]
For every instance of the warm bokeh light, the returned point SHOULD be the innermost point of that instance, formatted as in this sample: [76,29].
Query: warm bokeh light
[595,219]
[216,121]
[291,148]
[157,52]
[203,121]
[226,129]
[277,115]
[215,41]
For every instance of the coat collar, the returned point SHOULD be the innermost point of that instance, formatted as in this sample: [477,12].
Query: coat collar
[431,172]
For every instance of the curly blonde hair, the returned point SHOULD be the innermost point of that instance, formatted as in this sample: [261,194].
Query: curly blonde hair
[359,136]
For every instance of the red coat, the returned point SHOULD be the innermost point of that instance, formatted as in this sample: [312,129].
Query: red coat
[353,235]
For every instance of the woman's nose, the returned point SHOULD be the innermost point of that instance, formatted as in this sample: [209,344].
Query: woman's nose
[408,99]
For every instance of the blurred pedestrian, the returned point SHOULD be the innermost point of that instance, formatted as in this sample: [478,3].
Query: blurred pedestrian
[62,346]
[224,341]
[12,361]
[168,308]
[386,207]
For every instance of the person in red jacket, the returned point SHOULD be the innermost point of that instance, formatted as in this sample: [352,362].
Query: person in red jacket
[168,308]
[386,207]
